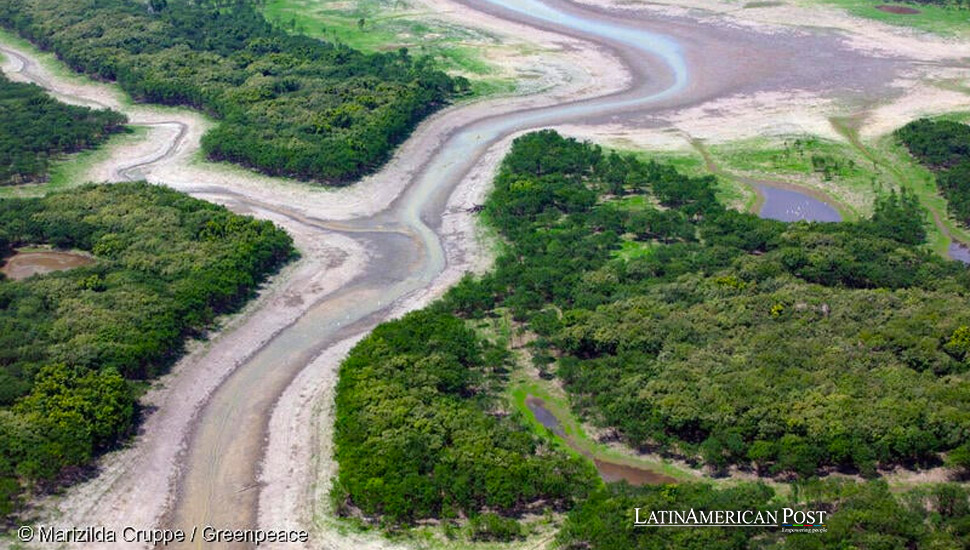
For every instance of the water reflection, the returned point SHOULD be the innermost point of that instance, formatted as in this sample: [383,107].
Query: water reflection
[789,206]
[960,252]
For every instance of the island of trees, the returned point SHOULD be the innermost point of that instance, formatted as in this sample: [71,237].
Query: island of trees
[35,129]
[77,347]
[289,105]
[790,350]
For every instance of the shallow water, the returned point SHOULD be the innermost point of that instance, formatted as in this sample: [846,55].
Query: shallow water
[959,252]
[25,264]
[790,206]
[608,471]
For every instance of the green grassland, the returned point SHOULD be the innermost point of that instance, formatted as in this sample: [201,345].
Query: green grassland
[852,172]
[805,161]
[386,25]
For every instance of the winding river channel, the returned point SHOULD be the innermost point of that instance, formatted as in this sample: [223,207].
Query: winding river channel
[223,455]
[671,63]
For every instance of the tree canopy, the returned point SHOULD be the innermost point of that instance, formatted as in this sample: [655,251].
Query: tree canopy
[35,128]
[289,105]
[943,146]
[74,345]
[789,350]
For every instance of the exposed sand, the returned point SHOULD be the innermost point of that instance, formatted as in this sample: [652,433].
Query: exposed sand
[918,92]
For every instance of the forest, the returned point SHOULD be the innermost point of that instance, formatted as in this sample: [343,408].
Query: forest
[789,350]
[77,347]
[288,105]
[943,146]
[732,338]
[35,129]
[417,390]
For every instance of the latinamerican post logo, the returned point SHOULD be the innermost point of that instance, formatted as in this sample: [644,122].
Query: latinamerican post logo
[788,520]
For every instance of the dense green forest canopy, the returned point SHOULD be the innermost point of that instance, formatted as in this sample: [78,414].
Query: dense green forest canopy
[415,436]
[35,128]
[943,146]
[787,349]
[74,344]
[289,105]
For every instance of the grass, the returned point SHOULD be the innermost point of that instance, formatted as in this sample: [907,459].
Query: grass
[522,384]
[387,25]
[730,191]
[946,21]
[900,169]
[810,162]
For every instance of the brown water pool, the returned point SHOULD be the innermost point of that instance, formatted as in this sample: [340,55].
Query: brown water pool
[608,471]
[24,264]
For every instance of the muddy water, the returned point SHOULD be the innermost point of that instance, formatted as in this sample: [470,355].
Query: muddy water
[609,471]
[789,206]
[25,264]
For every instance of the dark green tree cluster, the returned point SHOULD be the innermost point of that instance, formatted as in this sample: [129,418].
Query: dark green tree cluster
[943,146]
[416,435]
[35,128]
[870,515]
[289,105]
[605,521]
[75,344]
[785,347]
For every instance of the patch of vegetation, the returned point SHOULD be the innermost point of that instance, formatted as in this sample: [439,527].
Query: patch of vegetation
[289,105]
[786,349]
[35,129]
[808,160]
[860,515]
[420,390]
[383,25]
[943,146]
[75,345]
[678,347]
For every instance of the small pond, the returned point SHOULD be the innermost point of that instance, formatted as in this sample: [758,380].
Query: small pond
[24,264]
[789,206]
